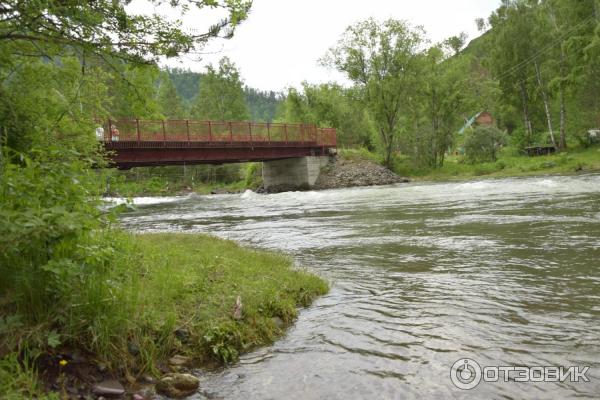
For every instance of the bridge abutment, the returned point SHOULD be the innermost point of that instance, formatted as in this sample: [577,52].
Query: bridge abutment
[292,173]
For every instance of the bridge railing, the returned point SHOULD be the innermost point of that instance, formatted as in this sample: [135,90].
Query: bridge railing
[137,130]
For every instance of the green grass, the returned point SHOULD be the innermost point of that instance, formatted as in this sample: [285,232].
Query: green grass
[19,381]
[508,164]
[360,153]
[157,288]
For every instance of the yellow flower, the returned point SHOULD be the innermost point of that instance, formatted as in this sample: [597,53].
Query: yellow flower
[63,363]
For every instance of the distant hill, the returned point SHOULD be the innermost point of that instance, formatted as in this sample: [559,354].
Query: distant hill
[479,46]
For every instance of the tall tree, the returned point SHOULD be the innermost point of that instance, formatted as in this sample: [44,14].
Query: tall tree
[443,91]
[511,56]
[383,60]
[169,100]
[133,92]
[571,25]
[221,94]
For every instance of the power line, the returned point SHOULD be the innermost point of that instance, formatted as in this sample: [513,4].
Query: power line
[527,61]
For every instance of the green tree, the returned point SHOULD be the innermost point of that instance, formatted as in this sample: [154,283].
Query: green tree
[169,100]
[109,28]
[133,92]
[456,43]
[329,105]
[443,90]
[221,95]
[262,105]
[187,84]
[484,143]
[383,60]
[571,24]
[511,57]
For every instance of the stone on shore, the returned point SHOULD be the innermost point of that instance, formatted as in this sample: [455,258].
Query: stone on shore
[177,385]
[109,388]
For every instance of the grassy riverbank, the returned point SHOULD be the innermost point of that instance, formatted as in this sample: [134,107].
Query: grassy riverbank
[165,294]
[509,164]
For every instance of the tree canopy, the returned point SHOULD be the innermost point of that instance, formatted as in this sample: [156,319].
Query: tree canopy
[110,28]
[221,94]
[383,60]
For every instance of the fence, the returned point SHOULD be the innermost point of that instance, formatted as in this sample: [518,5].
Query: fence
[218,132]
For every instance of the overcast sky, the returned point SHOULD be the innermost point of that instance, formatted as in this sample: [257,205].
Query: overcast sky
[279,45]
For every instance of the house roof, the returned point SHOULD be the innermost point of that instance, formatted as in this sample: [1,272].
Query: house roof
[469,123]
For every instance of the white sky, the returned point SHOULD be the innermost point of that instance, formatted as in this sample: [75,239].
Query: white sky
[279,45]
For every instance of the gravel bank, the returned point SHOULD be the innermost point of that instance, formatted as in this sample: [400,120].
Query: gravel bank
[342,173]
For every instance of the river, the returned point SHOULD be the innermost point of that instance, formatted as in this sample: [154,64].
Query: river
[504,272]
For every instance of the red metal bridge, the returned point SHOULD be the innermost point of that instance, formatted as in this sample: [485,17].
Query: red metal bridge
[136,143]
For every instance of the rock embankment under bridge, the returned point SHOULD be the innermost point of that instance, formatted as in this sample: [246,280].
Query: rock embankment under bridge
[342,172]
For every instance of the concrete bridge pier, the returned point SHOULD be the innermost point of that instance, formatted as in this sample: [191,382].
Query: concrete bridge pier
[292,173]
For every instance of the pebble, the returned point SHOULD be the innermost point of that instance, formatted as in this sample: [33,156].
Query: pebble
[108,388]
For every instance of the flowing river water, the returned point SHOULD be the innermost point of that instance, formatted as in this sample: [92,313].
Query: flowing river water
[505,272]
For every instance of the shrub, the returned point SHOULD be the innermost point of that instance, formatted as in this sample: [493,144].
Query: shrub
[52,244]
[483,144]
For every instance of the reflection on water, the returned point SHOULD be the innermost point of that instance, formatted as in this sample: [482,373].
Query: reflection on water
[505,272]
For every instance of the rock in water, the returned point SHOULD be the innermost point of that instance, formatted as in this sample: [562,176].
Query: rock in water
[177,385]
[108,388]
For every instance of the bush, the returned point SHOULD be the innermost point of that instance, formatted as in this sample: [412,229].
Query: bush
[52,244]
[483,144]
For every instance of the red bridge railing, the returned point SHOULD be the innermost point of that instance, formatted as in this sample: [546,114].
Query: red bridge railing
[217,132]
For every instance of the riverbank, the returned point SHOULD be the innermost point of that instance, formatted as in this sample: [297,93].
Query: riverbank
[359,167]
[173,302]
[508,165]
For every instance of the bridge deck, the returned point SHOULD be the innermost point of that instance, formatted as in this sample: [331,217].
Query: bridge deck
[146,143]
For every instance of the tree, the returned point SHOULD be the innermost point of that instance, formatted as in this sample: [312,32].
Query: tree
[262,105]
[169,100]
[329,105]
[571,24]
[108,28]
[443,90]
[87,40]
[221,94]
[133,92]
[456,43]
[511,56]
[483,144]
[383,60]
